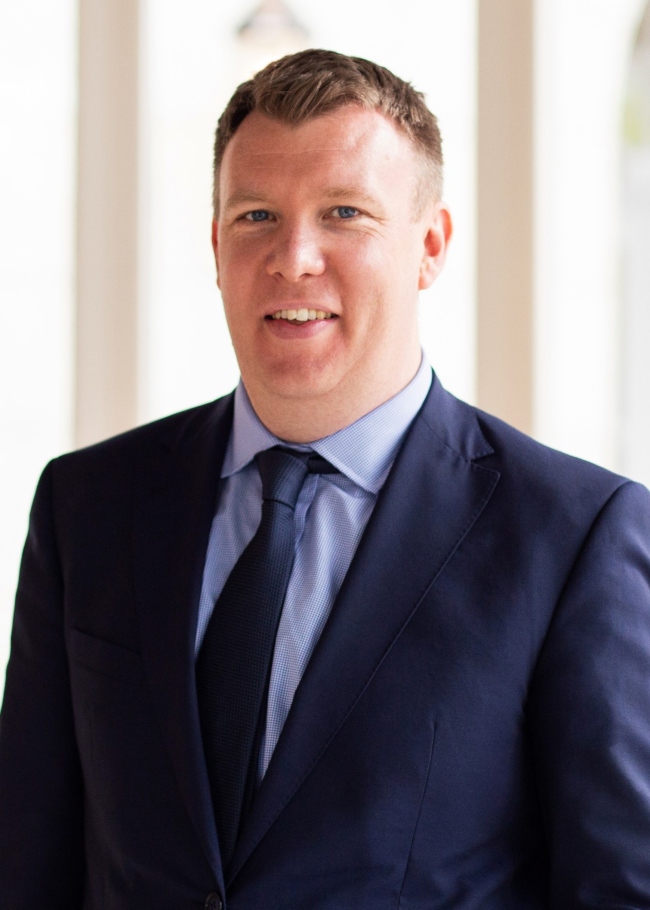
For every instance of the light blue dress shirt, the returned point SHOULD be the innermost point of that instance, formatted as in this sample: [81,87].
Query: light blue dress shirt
[331,515]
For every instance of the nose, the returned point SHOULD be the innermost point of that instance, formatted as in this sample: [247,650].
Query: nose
[296,253]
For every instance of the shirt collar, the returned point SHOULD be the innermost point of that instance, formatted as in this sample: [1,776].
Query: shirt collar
[363,451]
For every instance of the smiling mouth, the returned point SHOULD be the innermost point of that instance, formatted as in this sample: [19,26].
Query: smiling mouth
[301,315]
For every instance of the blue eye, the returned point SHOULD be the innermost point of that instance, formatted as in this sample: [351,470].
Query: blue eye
[257,215]
[346,211]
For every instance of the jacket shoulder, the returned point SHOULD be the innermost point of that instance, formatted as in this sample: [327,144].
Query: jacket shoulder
[171,431]
[519,452]
[534,479]
[541,484]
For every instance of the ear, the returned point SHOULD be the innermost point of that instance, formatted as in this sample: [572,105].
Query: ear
[438,231]
[215,246]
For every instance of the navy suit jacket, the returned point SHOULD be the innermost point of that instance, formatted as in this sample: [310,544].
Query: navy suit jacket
[472,731]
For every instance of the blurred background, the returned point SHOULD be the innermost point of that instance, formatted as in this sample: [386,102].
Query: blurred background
[109,313]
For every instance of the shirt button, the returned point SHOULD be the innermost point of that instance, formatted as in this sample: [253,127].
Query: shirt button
[213,902]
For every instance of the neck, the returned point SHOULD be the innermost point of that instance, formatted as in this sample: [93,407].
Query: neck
[304,420]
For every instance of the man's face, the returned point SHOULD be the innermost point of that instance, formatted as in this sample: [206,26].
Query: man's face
[320,255]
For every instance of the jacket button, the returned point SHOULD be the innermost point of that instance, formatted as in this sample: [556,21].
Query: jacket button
[213,902]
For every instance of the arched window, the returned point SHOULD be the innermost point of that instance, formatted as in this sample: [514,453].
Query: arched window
[269,32]
[635,329]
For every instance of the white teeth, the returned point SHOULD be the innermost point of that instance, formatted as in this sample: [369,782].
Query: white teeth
[301,315]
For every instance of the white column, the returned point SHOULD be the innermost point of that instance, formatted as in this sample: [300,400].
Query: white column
[107,219]
[505,210]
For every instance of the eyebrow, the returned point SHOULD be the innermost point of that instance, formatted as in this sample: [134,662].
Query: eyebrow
[359,194]
[244,196]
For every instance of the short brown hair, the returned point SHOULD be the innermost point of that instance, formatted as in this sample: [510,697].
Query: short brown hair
[310,83]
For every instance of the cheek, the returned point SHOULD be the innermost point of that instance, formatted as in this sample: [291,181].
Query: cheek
[239,259]
[360,270]
[238,284]
[235,296]
[391,263]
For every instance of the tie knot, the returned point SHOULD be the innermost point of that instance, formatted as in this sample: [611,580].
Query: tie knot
[283,472]
[282,475]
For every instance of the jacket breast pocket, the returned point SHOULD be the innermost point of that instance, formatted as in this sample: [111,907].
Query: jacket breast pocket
[105,660]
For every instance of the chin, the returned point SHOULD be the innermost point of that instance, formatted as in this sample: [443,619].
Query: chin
[300,377]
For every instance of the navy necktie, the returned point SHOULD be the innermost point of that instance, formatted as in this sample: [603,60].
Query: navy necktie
[234,663]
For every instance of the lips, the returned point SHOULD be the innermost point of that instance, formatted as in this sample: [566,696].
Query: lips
[317,322]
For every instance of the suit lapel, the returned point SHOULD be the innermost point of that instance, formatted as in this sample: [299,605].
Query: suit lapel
[172,524]
[433,496]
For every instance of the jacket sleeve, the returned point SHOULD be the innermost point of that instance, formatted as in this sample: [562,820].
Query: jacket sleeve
[41,794]
[589,713]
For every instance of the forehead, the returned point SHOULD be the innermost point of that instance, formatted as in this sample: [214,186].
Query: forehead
[348,144]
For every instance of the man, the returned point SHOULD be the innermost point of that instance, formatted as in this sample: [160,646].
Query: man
[419,679]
